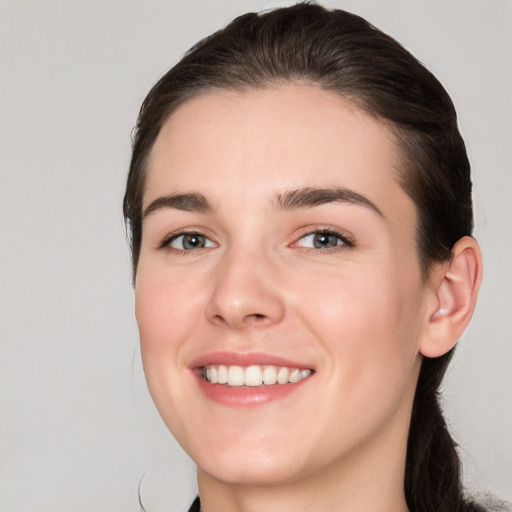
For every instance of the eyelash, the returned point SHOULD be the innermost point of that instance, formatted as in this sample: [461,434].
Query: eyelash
[165,244]
[346,241]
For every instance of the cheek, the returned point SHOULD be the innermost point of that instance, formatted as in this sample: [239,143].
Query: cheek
[165,307]
[365,325]
[369,323]
[168,312]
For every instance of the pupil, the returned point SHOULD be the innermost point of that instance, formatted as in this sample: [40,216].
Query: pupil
[325,240]
[193,241]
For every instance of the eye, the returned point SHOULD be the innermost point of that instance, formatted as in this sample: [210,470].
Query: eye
[188,242]
[323,240]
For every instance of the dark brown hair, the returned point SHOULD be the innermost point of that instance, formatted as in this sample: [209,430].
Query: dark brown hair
[341,52]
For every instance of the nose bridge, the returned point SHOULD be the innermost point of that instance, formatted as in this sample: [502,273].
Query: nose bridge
[245,291]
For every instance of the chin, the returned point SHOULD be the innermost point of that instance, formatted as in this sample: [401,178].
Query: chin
[252,470]
[262,462]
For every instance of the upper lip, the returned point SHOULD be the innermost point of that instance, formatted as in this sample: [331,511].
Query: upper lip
[246,359]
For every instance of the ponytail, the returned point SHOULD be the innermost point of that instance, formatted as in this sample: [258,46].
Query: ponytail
[432,472]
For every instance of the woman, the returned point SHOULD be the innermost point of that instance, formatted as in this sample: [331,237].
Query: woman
[299,205]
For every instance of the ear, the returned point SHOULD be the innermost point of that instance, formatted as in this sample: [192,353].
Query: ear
[455,286]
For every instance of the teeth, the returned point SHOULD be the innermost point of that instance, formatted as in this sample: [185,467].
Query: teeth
[294,376]
[222,374]
[269,375]
[304,374]
[235,376]
[282,375]
[253,375]
[213,375]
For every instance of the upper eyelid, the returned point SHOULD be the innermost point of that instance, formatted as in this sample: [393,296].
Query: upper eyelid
[167,239]
[346,236]
[208,241]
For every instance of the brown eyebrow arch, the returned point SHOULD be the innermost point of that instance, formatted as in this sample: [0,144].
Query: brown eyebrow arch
[310,196]
[191,202]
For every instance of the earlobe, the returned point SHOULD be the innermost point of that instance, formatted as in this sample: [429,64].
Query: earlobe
[456,284]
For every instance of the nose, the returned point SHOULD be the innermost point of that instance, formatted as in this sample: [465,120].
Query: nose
[245,292]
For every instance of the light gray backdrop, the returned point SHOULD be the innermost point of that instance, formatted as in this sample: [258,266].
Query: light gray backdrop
[78,430]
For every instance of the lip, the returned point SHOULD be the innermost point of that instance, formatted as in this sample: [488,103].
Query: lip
[246,396]
[246,359]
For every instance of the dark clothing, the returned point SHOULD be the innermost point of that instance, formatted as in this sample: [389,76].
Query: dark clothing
[470,507]
[196,506]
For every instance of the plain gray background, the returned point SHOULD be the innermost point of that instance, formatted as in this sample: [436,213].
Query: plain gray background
[78,430]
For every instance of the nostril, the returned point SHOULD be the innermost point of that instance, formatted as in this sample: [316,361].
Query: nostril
[256,317]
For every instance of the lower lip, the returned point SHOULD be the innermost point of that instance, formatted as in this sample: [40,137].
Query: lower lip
[247,396]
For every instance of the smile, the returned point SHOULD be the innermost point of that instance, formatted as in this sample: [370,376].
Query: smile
[253,376]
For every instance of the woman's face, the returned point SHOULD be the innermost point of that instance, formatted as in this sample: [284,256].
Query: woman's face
[276,238]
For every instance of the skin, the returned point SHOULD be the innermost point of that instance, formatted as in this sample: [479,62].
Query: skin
[358,315]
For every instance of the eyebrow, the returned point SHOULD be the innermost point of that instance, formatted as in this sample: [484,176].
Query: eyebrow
[310,196]
[190,202]
[306,197]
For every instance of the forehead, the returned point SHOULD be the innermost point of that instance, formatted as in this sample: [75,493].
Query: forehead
[275,138]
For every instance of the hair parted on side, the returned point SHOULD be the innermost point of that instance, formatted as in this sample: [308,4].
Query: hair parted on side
[341,52]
